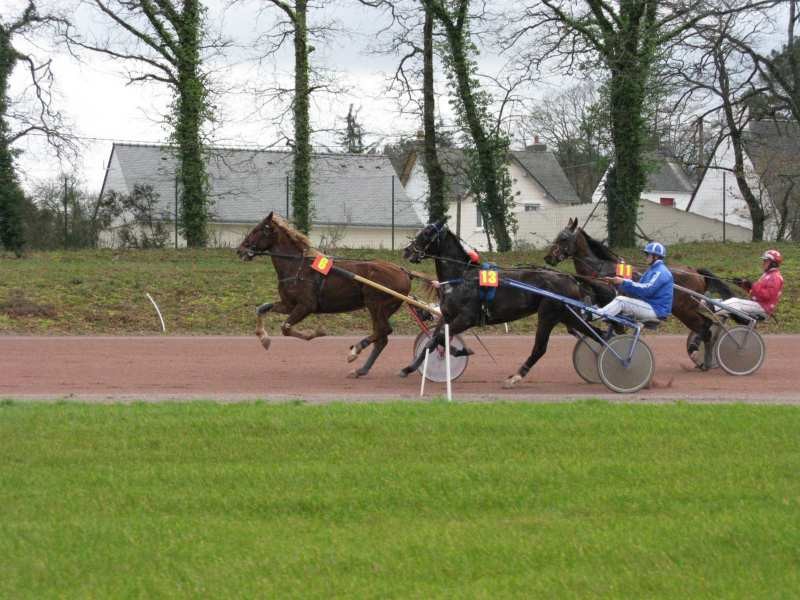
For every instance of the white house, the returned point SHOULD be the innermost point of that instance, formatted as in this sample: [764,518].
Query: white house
[538,183]
[772,169]
[357,198]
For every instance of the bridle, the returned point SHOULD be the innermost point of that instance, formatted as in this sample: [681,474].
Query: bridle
[422,253]
[558,252]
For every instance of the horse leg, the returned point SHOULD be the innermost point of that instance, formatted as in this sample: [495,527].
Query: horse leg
[297,314]
[459,324]
[543,331]
[432,344]
[356,348]
[381,330]
[262,310]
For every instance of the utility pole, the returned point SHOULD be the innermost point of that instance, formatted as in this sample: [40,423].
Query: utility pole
[66,229]
[724,192]
[176,210]
[392,212]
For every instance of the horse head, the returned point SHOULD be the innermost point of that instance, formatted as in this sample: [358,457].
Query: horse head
[426,243]
[260,239]
[564,246]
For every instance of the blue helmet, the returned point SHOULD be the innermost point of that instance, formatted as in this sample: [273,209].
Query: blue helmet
[655,249]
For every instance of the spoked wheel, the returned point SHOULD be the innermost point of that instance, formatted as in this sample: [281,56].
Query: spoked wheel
[619,376]
[740,350]
[697,357]
[584,358]
[437,367]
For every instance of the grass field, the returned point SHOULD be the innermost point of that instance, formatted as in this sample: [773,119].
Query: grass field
[212,292]
[580,500]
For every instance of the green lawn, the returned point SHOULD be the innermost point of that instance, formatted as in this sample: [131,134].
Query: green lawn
[580,500]
[212,292]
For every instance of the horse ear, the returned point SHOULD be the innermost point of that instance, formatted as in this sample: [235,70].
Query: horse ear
[573,223]
[269,217]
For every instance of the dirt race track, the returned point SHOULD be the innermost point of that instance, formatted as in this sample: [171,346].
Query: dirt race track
[237,368]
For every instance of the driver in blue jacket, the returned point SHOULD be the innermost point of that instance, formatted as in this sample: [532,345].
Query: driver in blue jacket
[648,299]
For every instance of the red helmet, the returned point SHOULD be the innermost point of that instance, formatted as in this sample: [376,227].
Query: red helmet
[772,255]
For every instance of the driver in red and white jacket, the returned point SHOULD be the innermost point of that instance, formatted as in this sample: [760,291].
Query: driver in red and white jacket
[764,293]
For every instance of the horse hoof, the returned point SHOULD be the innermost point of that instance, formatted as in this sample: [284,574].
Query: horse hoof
[403,373]
[512,381]
[266,342]
[355,374]
[352,355]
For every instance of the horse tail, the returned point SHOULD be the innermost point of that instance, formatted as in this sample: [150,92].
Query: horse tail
[427,281]
[715,284]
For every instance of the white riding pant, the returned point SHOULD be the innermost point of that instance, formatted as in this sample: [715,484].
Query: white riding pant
[748,307]
[636,309]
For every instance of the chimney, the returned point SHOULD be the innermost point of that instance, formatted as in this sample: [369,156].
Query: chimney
[536,146]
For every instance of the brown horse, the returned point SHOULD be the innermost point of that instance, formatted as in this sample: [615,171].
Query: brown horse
[304,291]
[593,259]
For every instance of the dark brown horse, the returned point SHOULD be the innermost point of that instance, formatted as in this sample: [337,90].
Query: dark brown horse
[304,291]
[593,259]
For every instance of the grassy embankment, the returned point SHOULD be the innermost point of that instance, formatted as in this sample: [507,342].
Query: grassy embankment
[212,292]
[580,500]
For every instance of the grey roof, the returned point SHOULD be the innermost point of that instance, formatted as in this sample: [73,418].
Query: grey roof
[668,176]
[541,165]
[245,185]
[544,168]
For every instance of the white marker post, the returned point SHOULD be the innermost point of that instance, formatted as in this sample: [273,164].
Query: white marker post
[447,361]
[424,372]
[160,318]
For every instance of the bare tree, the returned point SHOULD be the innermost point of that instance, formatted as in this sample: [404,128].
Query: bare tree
[21,116]
[724,79]
[779,69]
[574,124]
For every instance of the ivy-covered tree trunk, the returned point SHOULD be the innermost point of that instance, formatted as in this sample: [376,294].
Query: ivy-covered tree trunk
[301,199]
[190,111]
[437,186]
[489,159]
[11,195]
[627,133]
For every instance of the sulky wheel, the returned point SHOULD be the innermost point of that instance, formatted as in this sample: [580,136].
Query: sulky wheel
[584,358]
[740,350]
[619,376]
[697,357]
[437,370]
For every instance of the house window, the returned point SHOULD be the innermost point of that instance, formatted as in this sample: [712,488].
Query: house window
[667,201]
[533,207]
[478,218]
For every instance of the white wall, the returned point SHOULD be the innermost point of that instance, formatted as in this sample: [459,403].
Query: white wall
[667,225]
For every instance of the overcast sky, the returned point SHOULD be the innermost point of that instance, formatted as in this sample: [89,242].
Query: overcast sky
[102,107]
[95,98]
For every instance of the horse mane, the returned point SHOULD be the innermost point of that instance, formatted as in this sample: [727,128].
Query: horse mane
[300,240]
[599,248]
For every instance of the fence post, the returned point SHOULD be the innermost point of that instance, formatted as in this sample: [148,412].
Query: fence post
[458,215]
[288,217]
[392,212]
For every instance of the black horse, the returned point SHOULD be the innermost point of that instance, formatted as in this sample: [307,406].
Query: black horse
[462,306]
